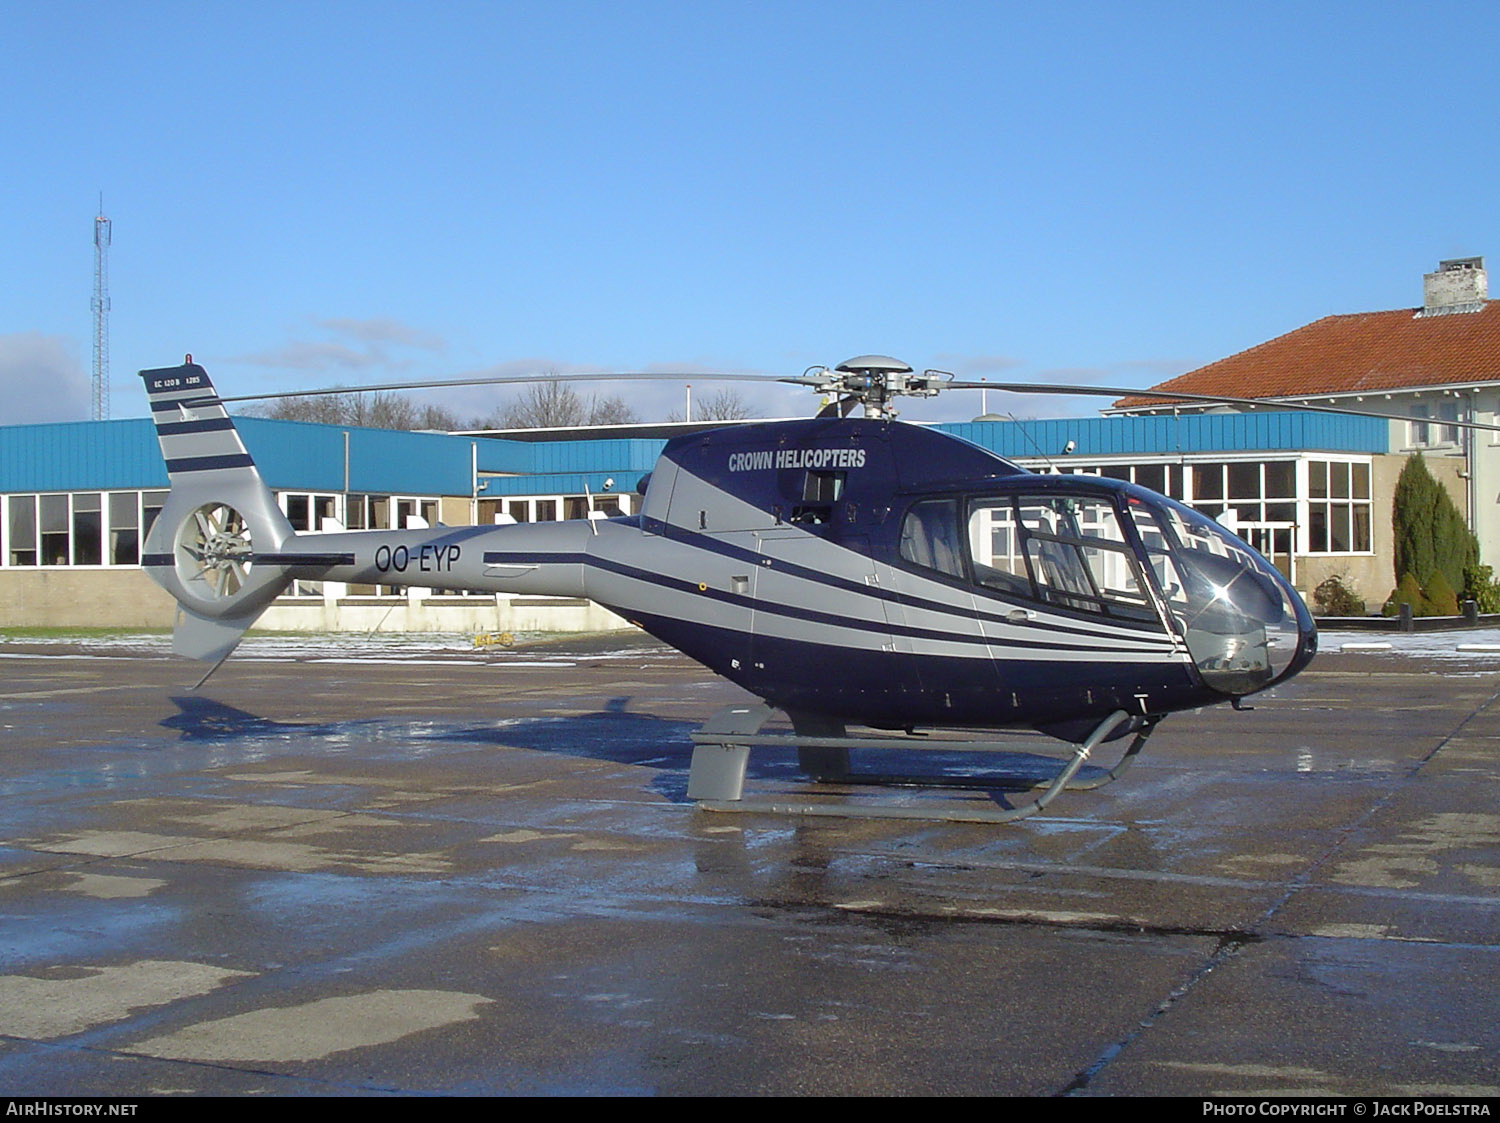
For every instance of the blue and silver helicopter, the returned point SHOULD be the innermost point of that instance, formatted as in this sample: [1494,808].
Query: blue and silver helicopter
[846,569]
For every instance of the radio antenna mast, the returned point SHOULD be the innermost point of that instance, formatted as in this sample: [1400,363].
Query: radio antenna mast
[102,234]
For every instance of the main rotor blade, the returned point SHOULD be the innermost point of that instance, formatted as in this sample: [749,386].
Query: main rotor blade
[503,380]
[1208,399]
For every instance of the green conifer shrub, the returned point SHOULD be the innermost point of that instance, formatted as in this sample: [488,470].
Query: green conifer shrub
[1429,534]
[1441,599]
[1406,592]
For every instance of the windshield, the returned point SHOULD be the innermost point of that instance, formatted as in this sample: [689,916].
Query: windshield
[1243,625]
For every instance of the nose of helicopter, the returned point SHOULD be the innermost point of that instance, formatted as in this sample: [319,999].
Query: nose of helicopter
[1244,625]
[1248,628]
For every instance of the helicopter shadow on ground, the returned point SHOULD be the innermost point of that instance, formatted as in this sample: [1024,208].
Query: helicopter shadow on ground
[619,735]
[614,734]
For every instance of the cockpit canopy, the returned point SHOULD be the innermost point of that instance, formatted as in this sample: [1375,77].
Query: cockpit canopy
[1127,555]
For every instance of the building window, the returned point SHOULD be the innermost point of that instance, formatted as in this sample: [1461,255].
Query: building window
[151,505]
[21,540]
[78,528]
[124,528]
[1338,507]
[1427,429]
[88,526]
[311,512]
[53,517]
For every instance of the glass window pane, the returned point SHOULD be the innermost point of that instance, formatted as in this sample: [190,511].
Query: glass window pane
[21,542]
[929,536]
[995,550]
[1281,479]
[356,510]
[1153,476]
[1317,479]
[1338,527]
[1208,481]
[151,505]
[1281,512]
[1175,478]
[297,512]
[1244,481]
[325,507]
[1338,480]
[124,528]
[1361,481]
[53,515]
[1361,527]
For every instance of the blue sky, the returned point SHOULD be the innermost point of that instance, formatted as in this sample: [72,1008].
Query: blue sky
[306,194]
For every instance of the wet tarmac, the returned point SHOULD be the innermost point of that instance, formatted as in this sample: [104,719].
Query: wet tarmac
[431,868]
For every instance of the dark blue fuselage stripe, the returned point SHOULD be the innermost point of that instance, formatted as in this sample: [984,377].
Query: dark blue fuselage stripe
[795,612]
[206,425]
[1152,637]
[906,600]
[156,559]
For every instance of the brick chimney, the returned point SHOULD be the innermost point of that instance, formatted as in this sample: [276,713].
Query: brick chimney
[1460,285]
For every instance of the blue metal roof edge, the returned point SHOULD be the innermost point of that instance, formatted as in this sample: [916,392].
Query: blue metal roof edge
[1184,434]
[301,455]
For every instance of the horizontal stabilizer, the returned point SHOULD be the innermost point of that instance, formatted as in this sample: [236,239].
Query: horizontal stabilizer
[303,560]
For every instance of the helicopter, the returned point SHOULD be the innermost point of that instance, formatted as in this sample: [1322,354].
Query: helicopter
[844,569]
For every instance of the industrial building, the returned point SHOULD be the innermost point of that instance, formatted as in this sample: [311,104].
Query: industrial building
[1311,491]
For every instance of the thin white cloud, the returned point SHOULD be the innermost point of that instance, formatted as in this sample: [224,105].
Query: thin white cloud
[359,344]
[42,380]
[383,329]
[314,357]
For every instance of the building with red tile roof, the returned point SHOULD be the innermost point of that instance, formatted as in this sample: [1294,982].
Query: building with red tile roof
[1431,366]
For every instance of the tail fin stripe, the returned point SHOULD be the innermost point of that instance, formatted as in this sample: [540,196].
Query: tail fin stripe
[206,425]
[177,405]
[209,463]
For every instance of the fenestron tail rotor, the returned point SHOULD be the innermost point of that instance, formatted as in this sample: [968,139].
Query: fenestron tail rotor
[214,549]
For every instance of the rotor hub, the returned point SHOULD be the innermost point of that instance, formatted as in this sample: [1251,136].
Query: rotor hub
[872,381]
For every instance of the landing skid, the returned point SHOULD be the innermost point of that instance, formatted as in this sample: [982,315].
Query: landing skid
[722,747]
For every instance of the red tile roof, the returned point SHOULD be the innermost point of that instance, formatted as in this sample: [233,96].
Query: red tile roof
[1362,352]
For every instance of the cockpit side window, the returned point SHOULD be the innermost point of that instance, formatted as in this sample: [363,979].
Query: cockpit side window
[929,536]
[1066,551]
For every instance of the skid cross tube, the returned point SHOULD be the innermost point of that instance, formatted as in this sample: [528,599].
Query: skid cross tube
[722,750]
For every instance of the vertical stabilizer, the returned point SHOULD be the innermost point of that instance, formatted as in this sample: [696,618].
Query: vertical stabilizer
[218,519]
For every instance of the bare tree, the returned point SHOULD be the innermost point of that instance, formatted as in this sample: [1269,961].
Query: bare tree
[372,411]
[726,404]
[555,405]
[613,410]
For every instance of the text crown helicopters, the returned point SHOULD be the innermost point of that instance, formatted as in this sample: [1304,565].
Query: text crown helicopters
[843,569]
